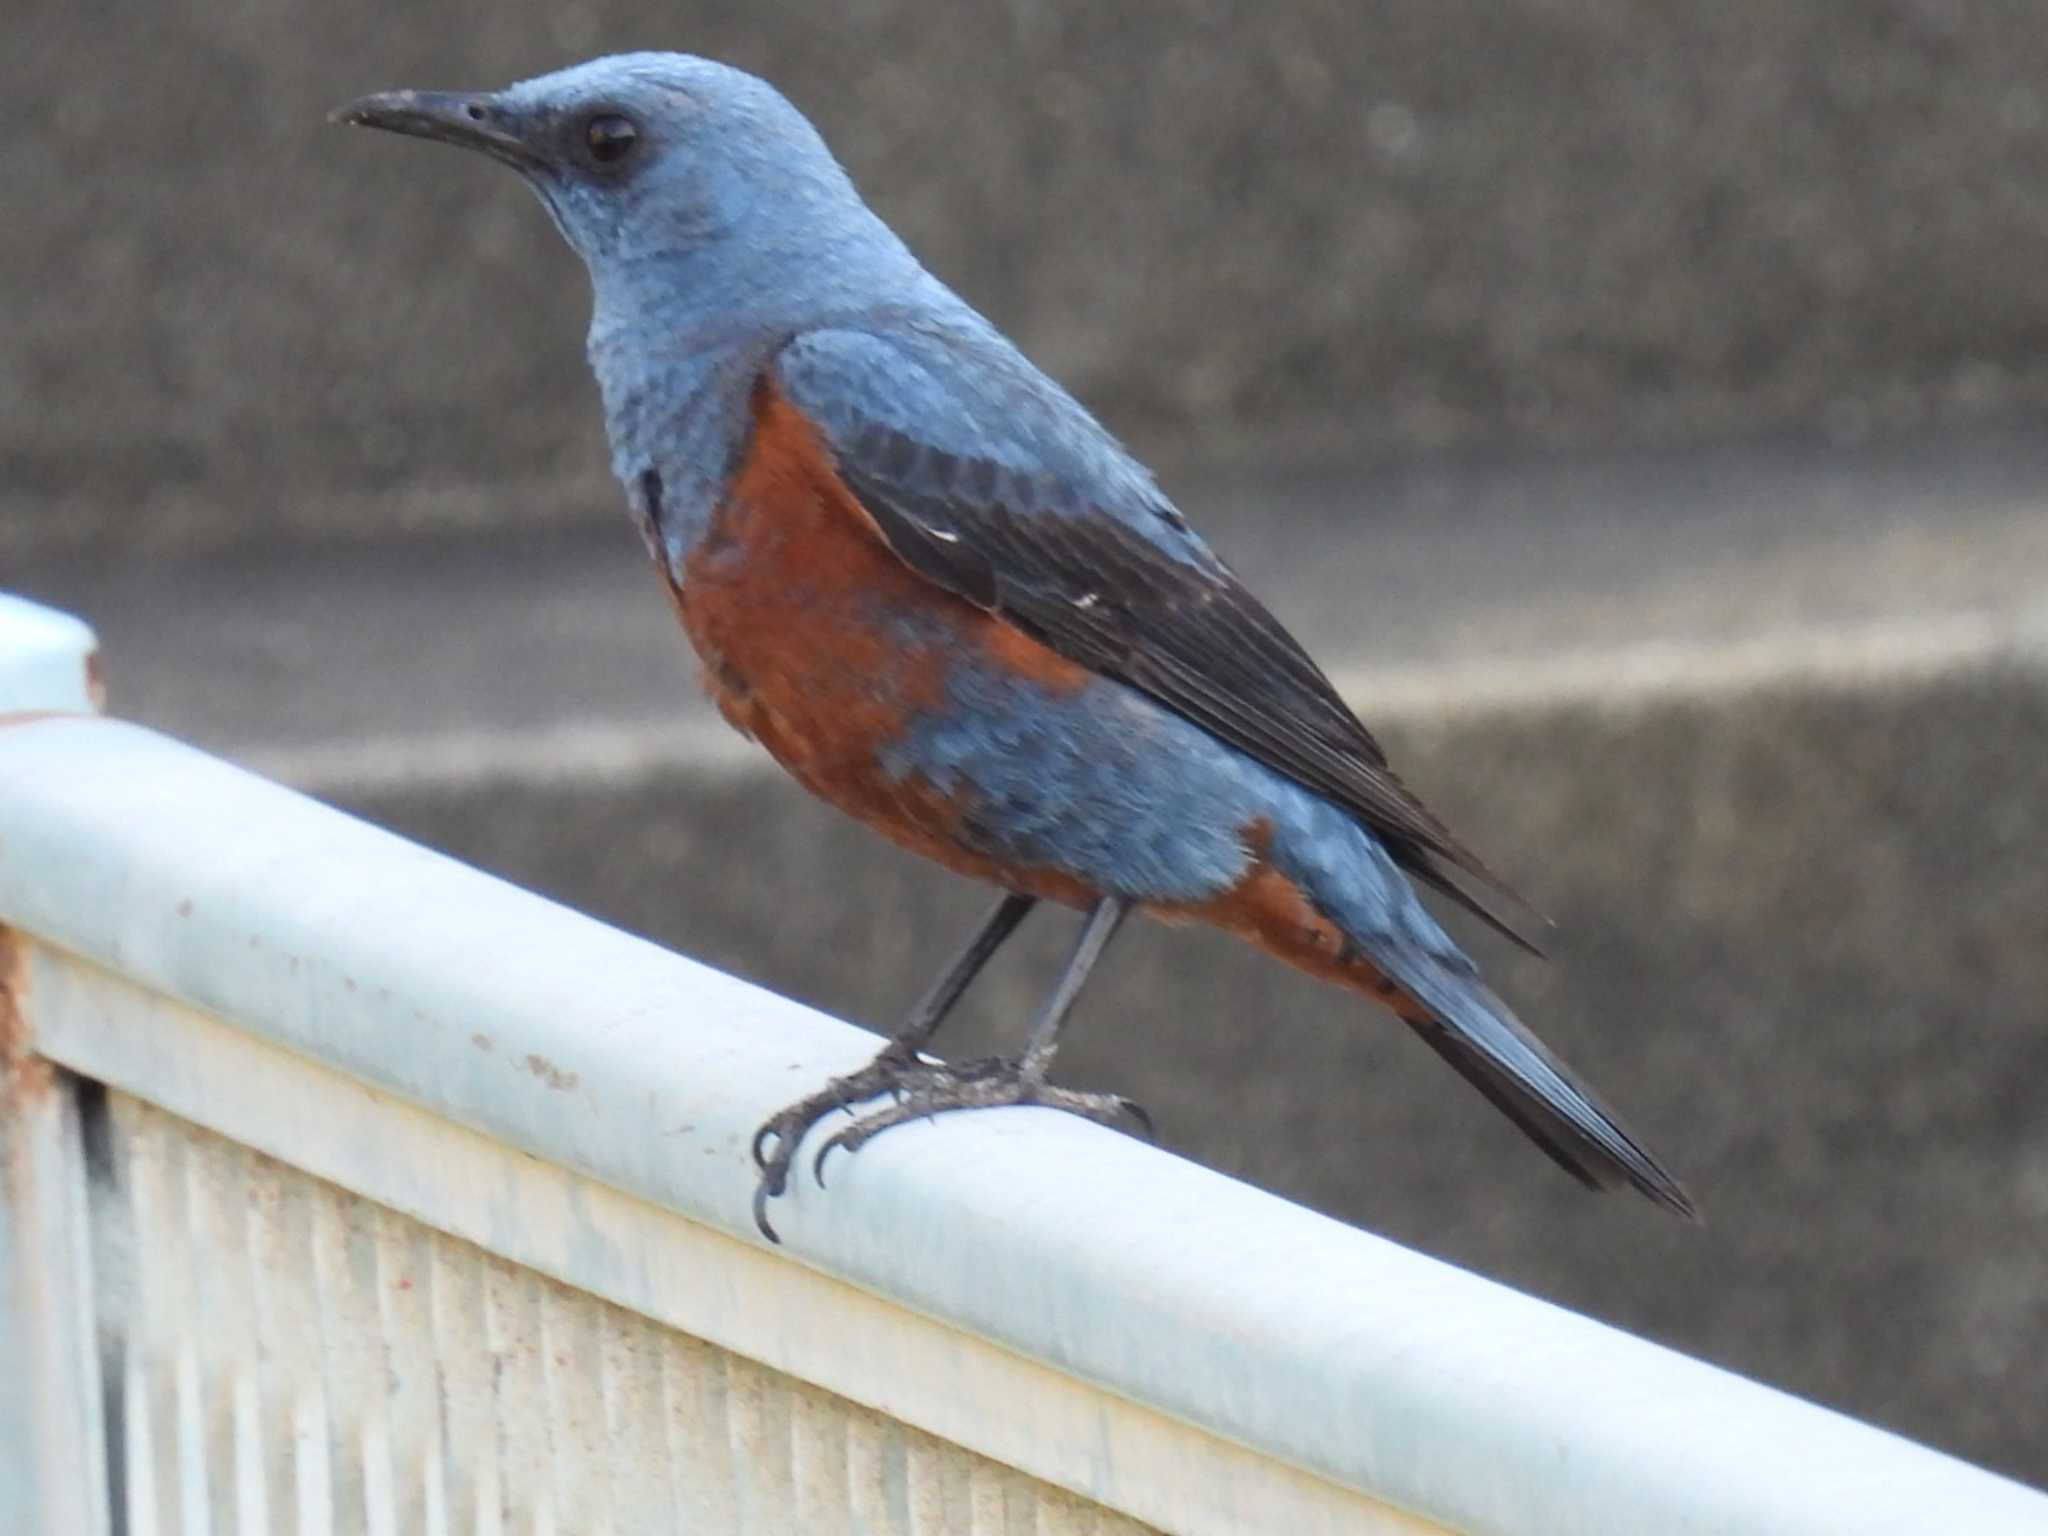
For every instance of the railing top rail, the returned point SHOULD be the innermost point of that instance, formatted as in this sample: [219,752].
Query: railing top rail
[1167,1284]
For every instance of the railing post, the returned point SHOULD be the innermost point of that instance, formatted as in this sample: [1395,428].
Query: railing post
[53,1474]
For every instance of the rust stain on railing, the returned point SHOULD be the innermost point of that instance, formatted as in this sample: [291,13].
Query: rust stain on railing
[25,1078]
[96,681]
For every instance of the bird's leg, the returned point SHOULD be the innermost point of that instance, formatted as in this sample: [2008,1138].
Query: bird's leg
[891,1065]
[933,1089]
[1104,918]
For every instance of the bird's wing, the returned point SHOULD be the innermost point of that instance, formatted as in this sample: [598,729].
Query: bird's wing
[990,483]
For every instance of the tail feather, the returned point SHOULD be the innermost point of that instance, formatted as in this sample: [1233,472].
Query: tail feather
[1497,1054]
[1328,897]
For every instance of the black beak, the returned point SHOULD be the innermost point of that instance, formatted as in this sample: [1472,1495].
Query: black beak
[473,120]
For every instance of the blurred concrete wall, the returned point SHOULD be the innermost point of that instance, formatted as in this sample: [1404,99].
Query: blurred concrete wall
[1381,226]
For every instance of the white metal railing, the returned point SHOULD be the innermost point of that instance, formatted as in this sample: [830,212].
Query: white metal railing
[1024,1302]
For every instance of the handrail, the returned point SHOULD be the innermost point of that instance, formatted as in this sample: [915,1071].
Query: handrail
[1168,1341]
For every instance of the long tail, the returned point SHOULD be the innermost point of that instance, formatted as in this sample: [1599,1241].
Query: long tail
[1526,1081]
[1327,898]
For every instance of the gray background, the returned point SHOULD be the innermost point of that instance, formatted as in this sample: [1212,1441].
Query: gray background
[1637,405]
[1344,228]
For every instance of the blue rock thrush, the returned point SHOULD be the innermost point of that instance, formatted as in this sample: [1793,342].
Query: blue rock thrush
[949,603]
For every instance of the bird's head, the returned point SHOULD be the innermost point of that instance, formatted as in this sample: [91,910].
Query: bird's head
[651,159]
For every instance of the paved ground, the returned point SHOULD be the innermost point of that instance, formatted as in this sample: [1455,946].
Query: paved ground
[1763,729]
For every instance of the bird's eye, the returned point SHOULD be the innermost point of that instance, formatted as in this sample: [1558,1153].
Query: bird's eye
[610,137]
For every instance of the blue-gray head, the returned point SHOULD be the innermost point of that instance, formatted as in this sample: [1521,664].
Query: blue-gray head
[716,226]
[666,171]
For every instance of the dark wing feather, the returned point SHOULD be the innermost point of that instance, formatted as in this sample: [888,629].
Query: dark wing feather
[1153,609]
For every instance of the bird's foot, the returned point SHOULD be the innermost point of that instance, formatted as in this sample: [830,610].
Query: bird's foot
[922,1089]
[889,1072]
[990,1083]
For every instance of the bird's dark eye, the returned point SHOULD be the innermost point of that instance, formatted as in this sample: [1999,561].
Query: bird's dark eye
[610,137]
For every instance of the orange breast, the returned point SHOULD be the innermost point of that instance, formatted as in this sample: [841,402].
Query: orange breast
[823,646]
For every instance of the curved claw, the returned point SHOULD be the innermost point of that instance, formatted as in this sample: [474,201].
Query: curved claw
[1141,1117]
[850,1139]
[762,1195]
[768,1129]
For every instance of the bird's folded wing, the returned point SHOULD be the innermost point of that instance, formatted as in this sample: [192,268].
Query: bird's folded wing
[1009,495]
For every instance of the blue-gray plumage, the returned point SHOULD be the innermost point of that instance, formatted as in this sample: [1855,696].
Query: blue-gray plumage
[949,602]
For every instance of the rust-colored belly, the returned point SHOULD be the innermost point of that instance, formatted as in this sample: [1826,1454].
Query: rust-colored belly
[823,646]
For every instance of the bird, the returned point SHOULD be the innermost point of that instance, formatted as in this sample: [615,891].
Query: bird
[949,603]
